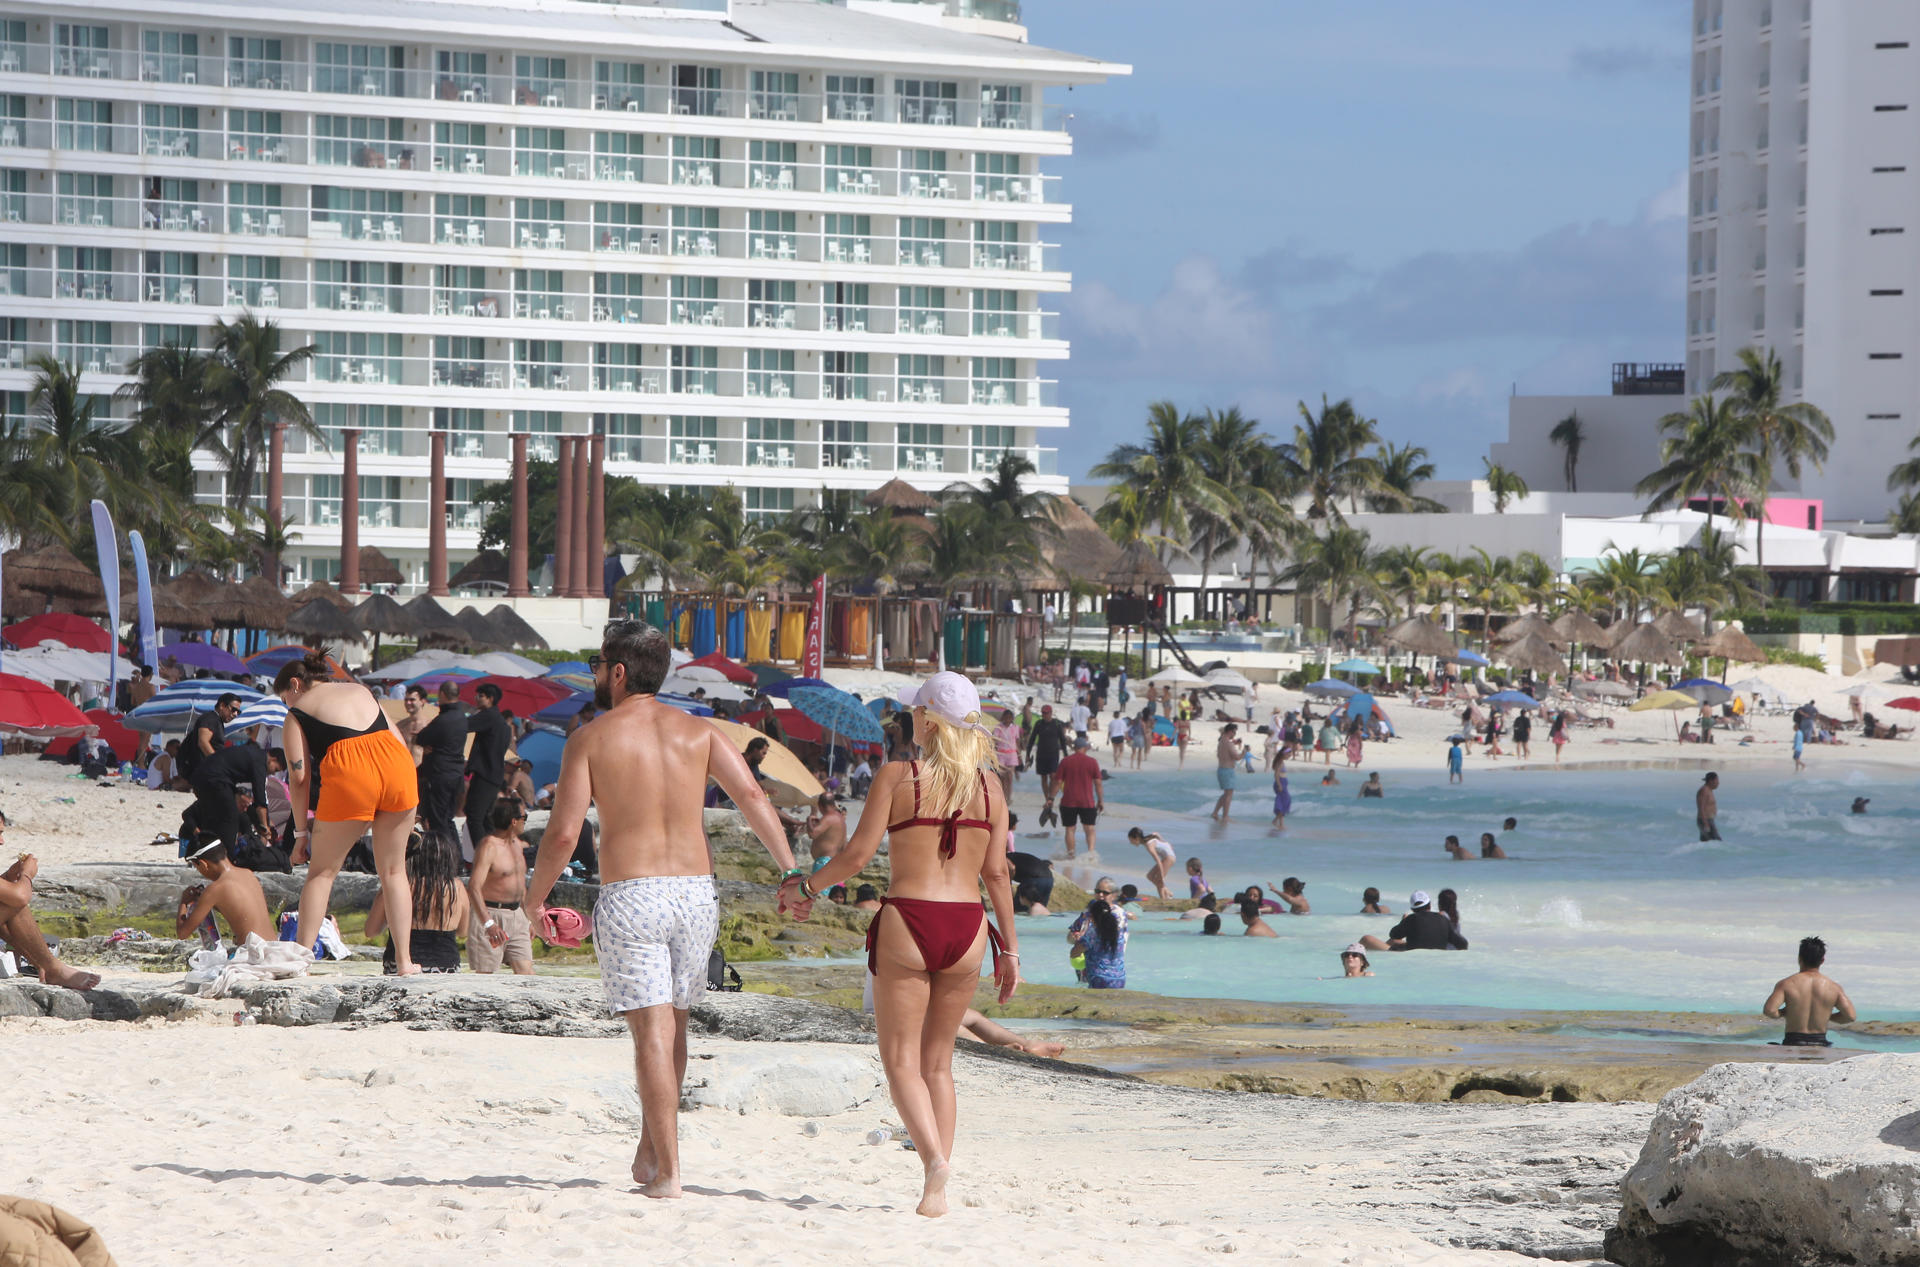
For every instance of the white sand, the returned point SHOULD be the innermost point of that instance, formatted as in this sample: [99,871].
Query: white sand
[187,1144]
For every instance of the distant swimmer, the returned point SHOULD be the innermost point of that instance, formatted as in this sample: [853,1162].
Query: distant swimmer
[1706,807]
[1489,847]
[1809,1000]
[1370,903]
[1250,917]
[1329,779]
[1458,851]
[1860,804]
[1293,892]
[1353,961]
[1512,824]
[1371,789]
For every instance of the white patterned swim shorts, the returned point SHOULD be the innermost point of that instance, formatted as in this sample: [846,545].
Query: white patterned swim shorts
[653,936]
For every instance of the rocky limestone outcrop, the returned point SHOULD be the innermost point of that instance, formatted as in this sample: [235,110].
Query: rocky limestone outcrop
[750,1081]
[153,888]
[1779,1165]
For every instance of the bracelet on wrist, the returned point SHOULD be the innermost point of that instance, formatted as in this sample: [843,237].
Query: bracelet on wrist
[791,872]
[807,891]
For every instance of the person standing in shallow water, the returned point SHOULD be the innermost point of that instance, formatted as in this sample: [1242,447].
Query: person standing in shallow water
[1809,1000]
[1706,807]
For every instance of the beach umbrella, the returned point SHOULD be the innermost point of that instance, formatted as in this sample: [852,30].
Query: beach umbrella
[692,707]
[508,664]
[1910,703]
[1576,626]
[561,709]
[1766,691]
[1644,642]
[680,684]
[1705,690]
[1532,653]
[837,712]
[1674,625]
[202,655]
[780,689]
[766,675]
[733,672]
[268,712]
[521,696]
[1729,643]
[511,629]
[1664,701]
[568,666]
[543,748]
[436,626]
[780,765]
[1531,625]
[1470,657]
[420,662]
[126,744]
[33,708]
[1174,675]
[1866,690]
[53,571]
[432,678]
[1355,665]
[1228,680]
[702,673]
[379,615]
[322,591]
[52,662]
[487,568]
[1331,688]
[1603,690]
[63,627]
[269,662]
[1420,637]
[172,708]
[582,682]
[320,621]
[1512,699]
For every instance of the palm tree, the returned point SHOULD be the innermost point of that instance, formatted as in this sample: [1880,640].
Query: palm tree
[1230,453]
[1491,585]
[1167,474]
[957,557]
[1505,485]
[1267,521]
[1786,434]
[880,550]
[1402,469]
[1077,591]
[1401,573]
[1703,453]
[1906,515]
[72,453]
[243,382]
[1324,457]
[1010,521]
[169,399]
[1570,433]
[1624,580]
[1337,562]
[668,530]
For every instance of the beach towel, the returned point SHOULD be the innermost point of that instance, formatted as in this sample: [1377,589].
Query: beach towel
[565,927]
[258,960]
[35,1234]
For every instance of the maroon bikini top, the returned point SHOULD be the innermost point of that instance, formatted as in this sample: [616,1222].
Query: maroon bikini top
[949,826]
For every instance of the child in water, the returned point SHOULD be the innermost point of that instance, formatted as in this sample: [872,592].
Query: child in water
[1282,797]
[1197,886]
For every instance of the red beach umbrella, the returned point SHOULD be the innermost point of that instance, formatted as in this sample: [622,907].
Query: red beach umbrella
[521,696]
[35,708]
[76,631]
[1909,702]
[126,744]
[733,672]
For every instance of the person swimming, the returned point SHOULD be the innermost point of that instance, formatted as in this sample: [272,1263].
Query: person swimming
[1453,846]
[1512,824]
[1371,789]
[1860,804]
[1489,847]
[1250,917]
[1370,903]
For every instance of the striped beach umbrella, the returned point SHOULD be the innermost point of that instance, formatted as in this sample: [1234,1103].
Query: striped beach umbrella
[172,708]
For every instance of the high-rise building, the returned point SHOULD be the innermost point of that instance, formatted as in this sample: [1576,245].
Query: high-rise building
[775,244]
[1803,191]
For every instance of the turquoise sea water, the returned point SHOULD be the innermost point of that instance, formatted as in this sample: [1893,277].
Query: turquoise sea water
[1608,902]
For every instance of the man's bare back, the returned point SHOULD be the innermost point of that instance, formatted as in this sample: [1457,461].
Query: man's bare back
[1808,1001]
[236,895]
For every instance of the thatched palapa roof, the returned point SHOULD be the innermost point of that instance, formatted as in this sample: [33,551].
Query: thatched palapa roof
[325,593]
[897,494]
[1531,625]
[1421,637]
[1532,653]
[1730,643]
[1576,626]
[1646,643]
[377,569]
[1078,548]
[320,621]
[489,567]
[1138,569]
[513,627]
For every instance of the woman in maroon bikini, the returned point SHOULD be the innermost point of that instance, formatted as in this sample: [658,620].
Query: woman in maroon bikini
[947,828]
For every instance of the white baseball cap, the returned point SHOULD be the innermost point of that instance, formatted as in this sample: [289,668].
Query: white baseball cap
[949,697]
[1419,898]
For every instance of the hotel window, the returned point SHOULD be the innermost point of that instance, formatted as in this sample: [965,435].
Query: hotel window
[693,440]
[379,495]
[619,296]
[617,217]
[84,345]
[1003,105]
[770,442]
[358,285]
[13,266]
[538,363]
[13,116]
[993,381]
[254,280]
[772,164]
[619,85]
[998,178]
[696,160]
[460,147]
[172,276]
[13,405]
[461,360]
[461,72]
[459,217]
[696,231]
[773,235]
[538,80]
[768,505]
[847,239]
[361,214]
[845,306]
[465,512]
[255,134]
[770,372]
[323,505]
[990,444]
[996,244]
[85,198]
[624,434]
[776,94]
[250,206]
[850,97]
[696,371]
[927,100]
[85,272]
[172,57]
[917,446]
[843,376]
[617,366]
[996,313]
[921,378]
[83,125]
[696,301]
[770,304]
[619,155]
[923,174]
[80,50]
[459,424]
[539,152]
[849,169]
[379,425]
[539,221]
[341,140]
[541,426]
[13,194]
[696,90]
[255,63]
[169,336]
[357,356]
[844,444]
[370,69]
[172,131]
[923,241]
[538,293]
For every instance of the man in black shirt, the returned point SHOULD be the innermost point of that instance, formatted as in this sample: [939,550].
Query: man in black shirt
[207,733]
[216,814]
[443,761]
[487,762]
[1424,928]
[1048,740]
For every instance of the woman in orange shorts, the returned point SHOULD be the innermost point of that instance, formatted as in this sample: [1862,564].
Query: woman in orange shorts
[365,774]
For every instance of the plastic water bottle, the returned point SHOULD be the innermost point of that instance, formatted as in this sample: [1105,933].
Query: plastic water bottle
[244,1017]
[878,1136]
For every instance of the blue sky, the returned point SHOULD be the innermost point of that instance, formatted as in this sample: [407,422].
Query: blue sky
[1416,203]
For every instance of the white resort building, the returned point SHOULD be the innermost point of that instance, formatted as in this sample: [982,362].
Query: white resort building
[776,244]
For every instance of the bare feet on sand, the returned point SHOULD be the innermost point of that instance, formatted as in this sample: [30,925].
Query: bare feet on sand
[72,978]
[933,1197]
[644,1167]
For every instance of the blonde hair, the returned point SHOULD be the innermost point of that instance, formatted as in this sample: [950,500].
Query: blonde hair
[954,755]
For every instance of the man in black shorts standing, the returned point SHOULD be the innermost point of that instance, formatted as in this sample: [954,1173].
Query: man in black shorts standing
[487,761]
[1046,745]
[1082,795]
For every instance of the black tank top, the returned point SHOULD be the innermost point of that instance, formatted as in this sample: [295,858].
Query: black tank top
[322,735]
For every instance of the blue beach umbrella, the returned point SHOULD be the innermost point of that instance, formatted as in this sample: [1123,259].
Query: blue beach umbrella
[837,713]
[1512,699]
[685,703]
[542,747]
[784,689]
[1331,688]
[569,666]
[1706,690]
[1356,665]
[264,712]
[1464,656]
[170,709]
[1360,705]
[561,709]
[204,655]
[449,673]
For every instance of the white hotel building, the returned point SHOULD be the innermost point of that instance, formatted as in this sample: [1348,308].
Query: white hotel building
[777,244]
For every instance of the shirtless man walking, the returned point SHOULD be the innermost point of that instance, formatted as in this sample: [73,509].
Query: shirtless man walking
[497,929]
[1706,808]
[646,764]
[1809,1000]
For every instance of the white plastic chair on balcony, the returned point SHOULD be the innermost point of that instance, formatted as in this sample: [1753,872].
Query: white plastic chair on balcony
[153,292]
[269,296]
[473,164]
[390,230]
[835,253]
[862,254]
[275,227]
[556,237]
[442,307]
[476,234]
[234,298]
